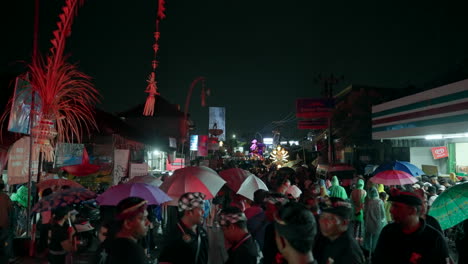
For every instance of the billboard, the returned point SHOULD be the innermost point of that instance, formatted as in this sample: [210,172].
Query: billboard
[217,116]
[439,152]
[193,142]
[314,107]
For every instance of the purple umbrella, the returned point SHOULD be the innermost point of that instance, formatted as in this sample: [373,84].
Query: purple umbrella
[145,191]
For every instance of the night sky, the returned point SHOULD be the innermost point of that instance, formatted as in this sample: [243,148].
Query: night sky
[257,56]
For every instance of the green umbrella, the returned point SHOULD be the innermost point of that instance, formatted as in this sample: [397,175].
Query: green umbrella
[451,206]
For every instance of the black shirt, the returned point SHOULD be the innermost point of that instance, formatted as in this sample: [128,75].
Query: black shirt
[58,235]
[343,250]
[125,251]
[179,245]
[424,246]
[245,252]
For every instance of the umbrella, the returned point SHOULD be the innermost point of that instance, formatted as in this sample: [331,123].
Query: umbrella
[57,183]
[234,177]
[250,185]
[401,166]
[451,206]
[83,169]
[393,177]
[148,179]
[63,198]
[193,179]
[145,191]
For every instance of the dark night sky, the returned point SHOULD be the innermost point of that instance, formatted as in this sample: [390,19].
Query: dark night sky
[257,56]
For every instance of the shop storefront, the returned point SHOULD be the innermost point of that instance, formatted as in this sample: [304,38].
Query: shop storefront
[432,126]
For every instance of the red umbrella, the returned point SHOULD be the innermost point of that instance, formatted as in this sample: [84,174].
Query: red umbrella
[393,177]
[234,177]
[83,169]
[57,183]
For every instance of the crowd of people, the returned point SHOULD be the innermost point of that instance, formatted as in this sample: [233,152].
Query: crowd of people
[301,219]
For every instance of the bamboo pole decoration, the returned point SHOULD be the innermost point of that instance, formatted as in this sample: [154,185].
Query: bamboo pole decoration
[152,88]
[67,96]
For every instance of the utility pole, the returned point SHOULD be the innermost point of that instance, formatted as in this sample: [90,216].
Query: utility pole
[327,92]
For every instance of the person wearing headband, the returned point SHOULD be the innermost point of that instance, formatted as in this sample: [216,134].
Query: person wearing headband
[295,230]
[131,224]
[244,249]
[187,241]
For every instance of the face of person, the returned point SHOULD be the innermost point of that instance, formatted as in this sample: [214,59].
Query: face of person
[284,187]
[331,225]
[229,232]
[196,215]
[401,212]
[102,233]
[139,225]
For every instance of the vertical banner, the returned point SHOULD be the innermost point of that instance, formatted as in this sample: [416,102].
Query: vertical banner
[120,171]
[202,146]
[18,162]
[67,154]
[217,116]
[21,107]
[193,142]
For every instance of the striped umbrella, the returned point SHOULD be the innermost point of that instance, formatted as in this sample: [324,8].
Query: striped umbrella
[393,177]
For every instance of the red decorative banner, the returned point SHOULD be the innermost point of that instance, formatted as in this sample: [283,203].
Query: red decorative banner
[439,152]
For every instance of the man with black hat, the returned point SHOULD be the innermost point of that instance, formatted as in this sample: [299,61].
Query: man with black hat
[409,239]
[244,249]
[339,245]
[187,242]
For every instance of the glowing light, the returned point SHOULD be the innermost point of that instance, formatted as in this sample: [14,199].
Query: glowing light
[279,155]
[431,137]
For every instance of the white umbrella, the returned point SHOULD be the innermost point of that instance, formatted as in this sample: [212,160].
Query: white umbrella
[250,185]
[192,179]
[148,179]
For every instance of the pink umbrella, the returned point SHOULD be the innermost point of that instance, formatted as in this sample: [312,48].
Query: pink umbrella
[234,177]
[193,179]
[393,177]
[145,191]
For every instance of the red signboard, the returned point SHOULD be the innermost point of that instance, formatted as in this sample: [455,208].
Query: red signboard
[439,152]
[314,107]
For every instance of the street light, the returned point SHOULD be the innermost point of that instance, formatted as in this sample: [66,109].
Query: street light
[233,136]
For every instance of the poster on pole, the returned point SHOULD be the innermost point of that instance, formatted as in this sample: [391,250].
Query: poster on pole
[21,107]
[217,115]
[120,171]
[18,162]
[202,146]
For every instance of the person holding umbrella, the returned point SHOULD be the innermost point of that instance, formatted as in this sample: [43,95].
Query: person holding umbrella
[187,241]
[131,224]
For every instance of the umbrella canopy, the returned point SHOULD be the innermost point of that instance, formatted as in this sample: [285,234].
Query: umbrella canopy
[148,179]
[393,177]
[63,198]
[234,177]
[193,179]
[250,185]
[451,206]
[401,166]
[83,169]
[53,183]
[145,191]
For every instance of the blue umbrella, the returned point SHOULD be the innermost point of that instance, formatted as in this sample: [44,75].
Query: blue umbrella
[401,166]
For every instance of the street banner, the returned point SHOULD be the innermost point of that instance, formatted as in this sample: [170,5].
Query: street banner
[314,107]
[193,142]
[121,157]
[202,146]
[67,154]
[217,116]
[138,169]
[21,107]
[439,152]
[18,162]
